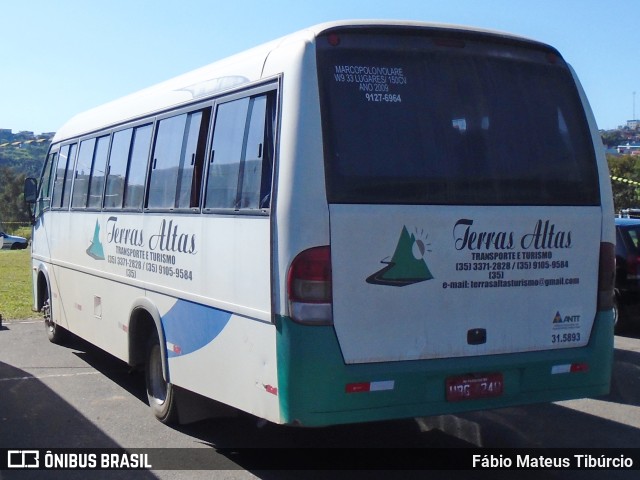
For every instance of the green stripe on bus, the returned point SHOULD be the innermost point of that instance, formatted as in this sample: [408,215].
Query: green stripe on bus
[313,378]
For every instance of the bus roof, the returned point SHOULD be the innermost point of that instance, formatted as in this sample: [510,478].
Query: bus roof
[225,74]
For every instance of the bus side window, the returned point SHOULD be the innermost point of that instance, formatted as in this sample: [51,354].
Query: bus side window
[89,173]
[224,167]
[249,195]
[83,174]
[268,150]
[137,168]
[66,193]
[44,196]
[117,169]
[62,182]
[241,162]
[198,166]
[177,161]
[96,184]
[127,168]
[58,177]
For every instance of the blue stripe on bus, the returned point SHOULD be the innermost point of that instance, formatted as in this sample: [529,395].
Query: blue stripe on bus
[190,326]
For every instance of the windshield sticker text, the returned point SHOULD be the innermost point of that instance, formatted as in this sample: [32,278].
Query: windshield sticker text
[377,84]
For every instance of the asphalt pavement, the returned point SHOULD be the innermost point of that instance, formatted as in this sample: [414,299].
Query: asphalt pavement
[76,396]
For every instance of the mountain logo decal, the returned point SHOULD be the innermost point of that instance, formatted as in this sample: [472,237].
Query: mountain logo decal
[407,266]
[95,250]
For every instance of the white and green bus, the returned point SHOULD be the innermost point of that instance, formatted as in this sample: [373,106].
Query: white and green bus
[360,221]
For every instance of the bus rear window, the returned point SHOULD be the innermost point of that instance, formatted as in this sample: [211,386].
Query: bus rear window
[411,120]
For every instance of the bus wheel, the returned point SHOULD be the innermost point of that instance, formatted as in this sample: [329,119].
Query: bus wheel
[619,315]
[160,393]
[55,332]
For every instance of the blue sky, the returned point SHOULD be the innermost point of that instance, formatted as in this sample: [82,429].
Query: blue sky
[59,58]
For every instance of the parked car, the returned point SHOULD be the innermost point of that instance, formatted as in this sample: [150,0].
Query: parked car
[12,242]
[627,289]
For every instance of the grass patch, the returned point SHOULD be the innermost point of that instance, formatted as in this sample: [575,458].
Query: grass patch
[15,284]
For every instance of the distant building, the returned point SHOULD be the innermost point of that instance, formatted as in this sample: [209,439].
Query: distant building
[633,124]
[628,149]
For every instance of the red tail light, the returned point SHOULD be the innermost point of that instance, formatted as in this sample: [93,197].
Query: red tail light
[606,276]
[309,287]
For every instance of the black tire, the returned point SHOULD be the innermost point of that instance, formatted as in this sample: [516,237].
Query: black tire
[622,312]
[619,315]
[55,333]
[160,393]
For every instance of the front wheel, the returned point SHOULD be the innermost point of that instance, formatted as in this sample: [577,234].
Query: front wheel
[55,333]
[160,393]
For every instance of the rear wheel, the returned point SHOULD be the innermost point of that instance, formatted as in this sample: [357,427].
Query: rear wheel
[619,314]
[160,393]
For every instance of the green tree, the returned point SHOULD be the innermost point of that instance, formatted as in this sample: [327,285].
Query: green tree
[625,195]
[12,205]
[612,138]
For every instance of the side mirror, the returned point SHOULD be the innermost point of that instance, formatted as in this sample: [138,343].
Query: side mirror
[31,195]
[30,190]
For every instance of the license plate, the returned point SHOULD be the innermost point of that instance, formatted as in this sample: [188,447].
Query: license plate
[474,386]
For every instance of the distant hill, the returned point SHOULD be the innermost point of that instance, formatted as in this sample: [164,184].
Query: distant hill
[24,152]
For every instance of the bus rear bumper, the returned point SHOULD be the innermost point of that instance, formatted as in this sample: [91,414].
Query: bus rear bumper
[316,388]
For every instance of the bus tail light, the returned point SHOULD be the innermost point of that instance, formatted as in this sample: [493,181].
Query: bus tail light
[309,287]
[606,276]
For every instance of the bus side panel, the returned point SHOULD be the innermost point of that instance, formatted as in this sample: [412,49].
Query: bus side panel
[316,387]
[61,254]
[40,254]
[223,356]
[300,215]
[83,300]
[212,291]
[41,265]
[98,310]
